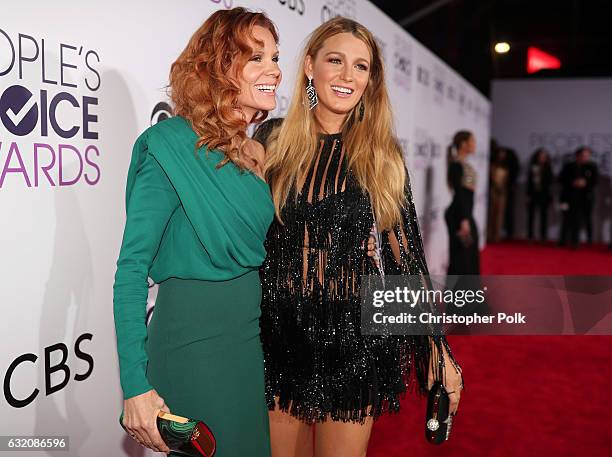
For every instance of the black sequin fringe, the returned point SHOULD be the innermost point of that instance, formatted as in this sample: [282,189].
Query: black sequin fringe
[317,363]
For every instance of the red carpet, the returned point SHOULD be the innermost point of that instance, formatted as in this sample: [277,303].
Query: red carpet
[525,395]
[521,258]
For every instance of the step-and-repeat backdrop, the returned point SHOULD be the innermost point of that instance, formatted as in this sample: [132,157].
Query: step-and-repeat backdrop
[561,116]
[78,82]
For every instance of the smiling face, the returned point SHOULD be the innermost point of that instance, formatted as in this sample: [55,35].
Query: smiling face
[260,76]
[340,71]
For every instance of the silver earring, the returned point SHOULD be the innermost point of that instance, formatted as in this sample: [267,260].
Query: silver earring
[311,93]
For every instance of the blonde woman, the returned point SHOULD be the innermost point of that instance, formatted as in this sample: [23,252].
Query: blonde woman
[332,164]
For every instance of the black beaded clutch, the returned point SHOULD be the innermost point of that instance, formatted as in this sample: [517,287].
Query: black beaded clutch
[438,421]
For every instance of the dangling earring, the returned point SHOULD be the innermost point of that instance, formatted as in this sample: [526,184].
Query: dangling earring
[361,110]
[311,93]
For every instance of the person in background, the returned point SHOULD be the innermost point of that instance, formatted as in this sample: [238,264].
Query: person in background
[513,165]
[498,193]
[464,253]
[539,183]
[564,194]
[579,178]
[462,231]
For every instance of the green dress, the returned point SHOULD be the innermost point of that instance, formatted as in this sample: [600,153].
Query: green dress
[197,231]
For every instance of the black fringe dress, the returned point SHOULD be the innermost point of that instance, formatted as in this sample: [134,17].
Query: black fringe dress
[317,363]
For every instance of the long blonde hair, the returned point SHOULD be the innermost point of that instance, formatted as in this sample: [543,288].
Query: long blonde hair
[374,154]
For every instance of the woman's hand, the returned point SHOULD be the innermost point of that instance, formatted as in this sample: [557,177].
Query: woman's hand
[140,419]
[453,385]
[452,379]
[465,232]
[372,250]
[464,228]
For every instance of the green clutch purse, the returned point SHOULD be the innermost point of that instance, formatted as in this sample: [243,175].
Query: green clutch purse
[189,437]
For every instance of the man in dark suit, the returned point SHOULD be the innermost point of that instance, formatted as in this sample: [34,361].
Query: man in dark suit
[578,179]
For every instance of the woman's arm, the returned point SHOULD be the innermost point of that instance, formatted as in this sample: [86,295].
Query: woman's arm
[407,251]
[150,205]
[405,242]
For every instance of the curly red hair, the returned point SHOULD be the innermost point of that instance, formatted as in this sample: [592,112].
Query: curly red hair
[203,80]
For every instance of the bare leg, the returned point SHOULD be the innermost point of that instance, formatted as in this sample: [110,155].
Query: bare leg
[289,436]
[342,439]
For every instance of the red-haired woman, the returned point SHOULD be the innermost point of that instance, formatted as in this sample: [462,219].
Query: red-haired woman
[197,215]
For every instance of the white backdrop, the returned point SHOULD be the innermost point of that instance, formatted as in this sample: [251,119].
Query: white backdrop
[560,115]
[78,82]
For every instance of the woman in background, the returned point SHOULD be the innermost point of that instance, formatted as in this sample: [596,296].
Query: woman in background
[498,194]
[539,183]
[464,257]
[197,215]
[337,174]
